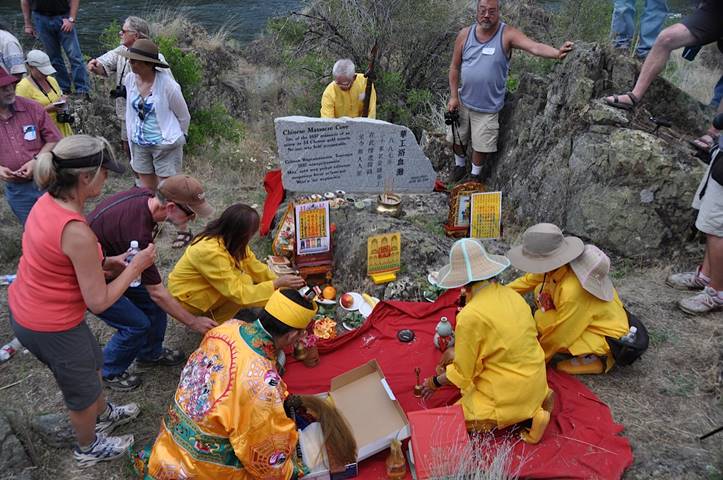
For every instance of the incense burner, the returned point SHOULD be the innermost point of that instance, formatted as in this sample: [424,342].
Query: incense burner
[389,204]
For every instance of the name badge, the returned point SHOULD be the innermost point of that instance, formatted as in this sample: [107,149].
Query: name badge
[29,133]
[488,51]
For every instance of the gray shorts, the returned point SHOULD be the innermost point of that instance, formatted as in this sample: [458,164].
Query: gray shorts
[74,357]
[163,160]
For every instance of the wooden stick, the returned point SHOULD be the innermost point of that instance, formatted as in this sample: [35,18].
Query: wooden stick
[15,383]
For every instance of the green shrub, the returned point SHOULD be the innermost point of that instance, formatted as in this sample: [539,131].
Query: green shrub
[186,66]
[109,38]
[213,124]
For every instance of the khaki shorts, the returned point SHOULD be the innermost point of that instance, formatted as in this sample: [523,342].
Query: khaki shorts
[710,207]
[164,160]
[483,127]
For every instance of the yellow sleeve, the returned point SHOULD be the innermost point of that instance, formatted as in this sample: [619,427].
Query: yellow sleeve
[219,270]
[461,372]
[327,102]
[266,445]
[373,102]
[526,283]
[24,89]
[259,271]
[559,328]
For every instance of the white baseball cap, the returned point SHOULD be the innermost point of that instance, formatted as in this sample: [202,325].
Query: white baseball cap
[41,61]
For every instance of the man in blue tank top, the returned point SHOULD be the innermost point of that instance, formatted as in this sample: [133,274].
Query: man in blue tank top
[481,61]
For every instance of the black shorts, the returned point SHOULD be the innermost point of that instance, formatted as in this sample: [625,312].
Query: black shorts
[706,22]
[73,356]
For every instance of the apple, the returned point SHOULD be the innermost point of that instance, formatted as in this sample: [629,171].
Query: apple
[346,300]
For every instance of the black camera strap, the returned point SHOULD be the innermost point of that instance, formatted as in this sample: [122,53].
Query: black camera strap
[123,72]
[456,138]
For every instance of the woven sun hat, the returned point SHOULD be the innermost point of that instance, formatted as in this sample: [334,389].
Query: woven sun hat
[544,249]
[592,268]
[469,262]
[144,50]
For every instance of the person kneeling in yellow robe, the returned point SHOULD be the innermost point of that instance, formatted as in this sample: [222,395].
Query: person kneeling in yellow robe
[577,306]
[498,364]
[227,419]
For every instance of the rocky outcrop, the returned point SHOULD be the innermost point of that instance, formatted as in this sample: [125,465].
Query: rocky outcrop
[601,173]
[13,458]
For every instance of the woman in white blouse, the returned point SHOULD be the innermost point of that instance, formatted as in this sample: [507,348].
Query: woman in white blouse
[157,120]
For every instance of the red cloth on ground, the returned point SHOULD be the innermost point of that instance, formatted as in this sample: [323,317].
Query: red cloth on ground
[582,440]
[274,196]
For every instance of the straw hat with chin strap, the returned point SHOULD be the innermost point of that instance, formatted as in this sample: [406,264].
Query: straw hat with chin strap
[144,50]
[544,249]
[469,262]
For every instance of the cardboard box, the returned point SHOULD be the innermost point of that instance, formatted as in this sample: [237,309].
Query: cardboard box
[367,402]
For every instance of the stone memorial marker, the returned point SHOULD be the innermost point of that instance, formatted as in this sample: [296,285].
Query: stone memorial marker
[351,154]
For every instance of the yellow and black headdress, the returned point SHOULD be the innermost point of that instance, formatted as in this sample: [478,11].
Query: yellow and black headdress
[289,312]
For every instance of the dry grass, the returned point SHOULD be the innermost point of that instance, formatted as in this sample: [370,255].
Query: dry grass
[694,78]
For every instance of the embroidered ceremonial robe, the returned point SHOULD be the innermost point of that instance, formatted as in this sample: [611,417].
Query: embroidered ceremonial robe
[227,419]
[576,322]
[498,365]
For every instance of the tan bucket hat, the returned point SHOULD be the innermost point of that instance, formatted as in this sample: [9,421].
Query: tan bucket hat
[544,249]
[144,50]
[469,262]
[592,268]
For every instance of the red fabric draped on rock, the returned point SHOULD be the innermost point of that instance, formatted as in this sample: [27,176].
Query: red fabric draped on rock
[582,440]
[274,196]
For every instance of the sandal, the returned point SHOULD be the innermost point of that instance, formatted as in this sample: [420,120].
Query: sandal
[182,239]
[615,102]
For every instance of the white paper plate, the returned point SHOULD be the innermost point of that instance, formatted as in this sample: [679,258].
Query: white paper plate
[432,278]
[346,326]
[358,301]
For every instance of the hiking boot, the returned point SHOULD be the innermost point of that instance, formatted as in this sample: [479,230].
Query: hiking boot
[103,449]
[706,301]
[115,416]
[458,173]
[687,280]
[167,358]
[475,178]
[125,382]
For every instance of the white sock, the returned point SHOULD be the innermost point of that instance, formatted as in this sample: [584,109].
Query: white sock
[459,161]
[476,169]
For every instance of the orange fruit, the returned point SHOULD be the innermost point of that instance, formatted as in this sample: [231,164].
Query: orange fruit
[329,293]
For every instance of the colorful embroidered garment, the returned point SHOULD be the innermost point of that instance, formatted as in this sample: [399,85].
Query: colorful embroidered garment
[227,420]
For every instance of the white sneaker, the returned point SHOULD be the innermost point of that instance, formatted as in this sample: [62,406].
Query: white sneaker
[118,415]
[706,301]
[687,280]
[104,448]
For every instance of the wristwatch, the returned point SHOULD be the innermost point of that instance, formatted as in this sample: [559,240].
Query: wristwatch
[71,19]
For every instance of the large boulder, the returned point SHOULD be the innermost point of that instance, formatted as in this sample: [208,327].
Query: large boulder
[598,172]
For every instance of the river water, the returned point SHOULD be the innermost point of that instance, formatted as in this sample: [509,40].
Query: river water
[243,18]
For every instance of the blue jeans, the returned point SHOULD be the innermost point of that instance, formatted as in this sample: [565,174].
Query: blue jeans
[651,22]
[54,39]
[141,326]
[21,197]
[717,93]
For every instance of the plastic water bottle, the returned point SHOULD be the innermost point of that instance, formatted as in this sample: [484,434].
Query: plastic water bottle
[629,337]
[9,349]
[132,253]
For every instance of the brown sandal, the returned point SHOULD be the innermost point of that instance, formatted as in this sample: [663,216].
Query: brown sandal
[615,102]
[182,239]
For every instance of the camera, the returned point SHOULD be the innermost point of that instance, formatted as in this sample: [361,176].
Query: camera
[66,117]
[451,117]
[118,92]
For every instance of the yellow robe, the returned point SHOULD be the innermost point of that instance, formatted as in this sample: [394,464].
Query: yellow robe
[227,419]
[336,102]
[580,321]
[28,89]
[207,280]
[498,365]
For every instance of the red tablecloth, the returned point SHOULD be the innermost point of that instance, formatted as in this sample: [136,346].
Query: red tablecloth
[582,440]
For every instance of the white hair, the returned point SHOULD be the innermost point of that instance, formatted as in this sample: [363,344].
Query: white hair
[343,68]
